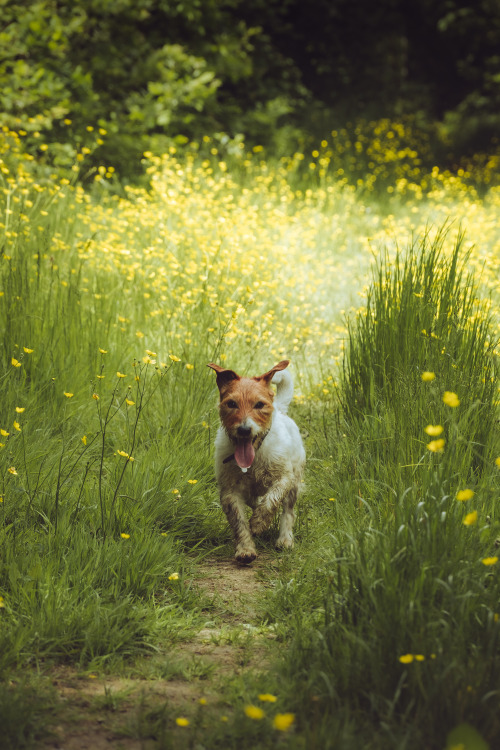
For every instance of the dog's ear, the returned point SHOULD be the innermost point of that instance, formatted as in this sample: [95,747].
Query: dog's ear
[268,376]
[223,376]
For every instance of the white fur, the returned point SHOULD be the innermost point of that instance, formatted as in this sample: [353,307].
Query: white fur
[284,392]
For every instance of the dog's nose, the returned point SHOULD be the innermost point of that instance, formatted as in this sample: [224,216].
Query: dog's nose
[244,431]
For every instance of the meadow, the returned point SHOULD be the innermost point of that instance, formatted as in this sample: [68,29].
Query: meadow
[382,625]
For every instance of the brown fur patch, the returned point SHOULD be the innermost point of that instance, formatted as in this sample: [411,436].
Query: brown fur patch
[253,399]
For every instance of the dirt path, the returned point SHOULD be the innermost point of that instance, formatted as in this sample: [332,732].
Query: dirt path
[106,711]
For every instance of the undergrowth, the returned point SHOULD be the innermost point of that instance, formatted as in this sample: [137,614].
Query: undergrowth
[385,614]
[393,615]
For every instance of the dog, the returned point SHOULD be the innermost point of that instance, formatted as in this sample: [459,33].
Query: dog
[259,455]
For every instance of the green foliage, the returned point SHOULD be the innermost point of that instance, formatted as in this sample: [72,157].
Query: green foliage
[131,69]
[124,77]
[422,315]
[88,543]
[394,615]
[384,619]
[25,710]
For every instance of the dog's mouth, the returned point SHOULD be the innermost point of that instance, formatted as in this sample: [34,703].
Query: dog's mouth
[244,452]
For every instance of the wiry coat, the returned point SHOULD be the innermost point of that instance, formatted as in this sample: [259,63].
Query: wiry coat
[274,477]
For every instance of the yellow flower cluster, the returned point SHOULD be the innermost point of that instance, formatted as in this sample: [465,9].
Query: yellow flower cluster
[237,252]
[409,658]
[281,722]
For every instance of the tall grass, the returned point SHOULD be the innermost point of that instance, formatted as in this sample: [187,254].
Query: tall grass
[402,626]
[96,458]
[111,307]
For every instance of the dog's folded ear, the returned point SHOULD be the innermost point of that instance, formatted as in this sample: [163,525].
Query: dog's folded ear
[268,376]
[223,376]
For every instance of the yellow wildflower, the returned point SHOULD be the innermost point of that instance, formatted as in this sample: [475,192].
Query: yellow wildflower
[282,722]
[103,351]
[120,375]
[267,697]
[12,470]
[173,577]
[254,712]
[17,426]
[95,397]
[4,433]
[84,440]
[174,358]
[20,409]
[2,603]
[451,399]
[406,659]
[125,536]
[428,376]
[68,395]
[436,446]
[15,362]
[465,495]
[497,461]
[470,519]
[433,429]
[489,560]
[419,657]
[28,351]
[125,455]
[192,481]
[129,402]
[181,721]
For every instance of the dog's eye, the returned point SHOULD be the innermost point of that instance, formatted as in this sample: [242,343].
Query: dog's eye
[259,405]
[231,404]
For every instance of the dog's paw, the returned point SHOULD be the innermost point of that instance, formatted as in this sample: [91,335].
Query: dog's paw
[285,542]
[245,555]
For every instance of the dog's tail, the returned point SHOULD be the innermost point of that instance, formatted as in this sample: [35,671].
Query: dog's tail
[284,390]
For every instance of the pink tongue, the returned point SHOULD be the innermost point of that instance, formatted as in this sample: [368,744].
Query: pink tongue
[244,454]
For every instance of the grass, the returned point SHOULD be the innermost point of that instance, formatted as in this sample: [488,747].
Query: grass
[385,616]
[25,709]
[395,610]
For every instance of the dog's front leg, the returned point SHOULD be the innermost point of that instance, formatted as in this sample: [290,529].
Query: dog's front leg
[234,508]
[266,509]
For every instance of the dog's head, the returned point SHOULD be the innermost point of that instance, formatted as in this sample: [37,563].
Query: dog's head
[246,408]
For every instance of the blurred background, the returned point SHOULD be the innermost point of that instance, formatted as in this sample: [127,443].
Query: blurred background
[281,74]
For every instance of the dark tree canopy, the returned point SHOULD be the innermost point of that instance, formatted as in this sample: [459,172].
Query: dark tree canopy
[160,68]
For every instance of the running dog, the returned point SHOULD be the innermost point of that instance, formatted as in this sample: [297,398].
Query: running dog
[259,455]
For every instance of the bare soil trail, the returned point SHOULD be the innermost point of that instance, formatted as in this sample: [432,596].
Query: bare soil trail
[106,711]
